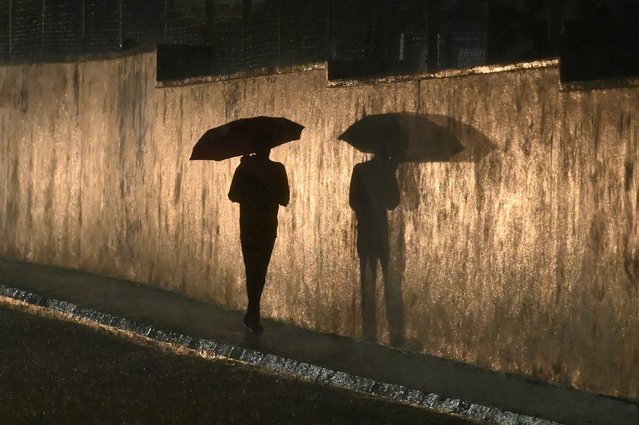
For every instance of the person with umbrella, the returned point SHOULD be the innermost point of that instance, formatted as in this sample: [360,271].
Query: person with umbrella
[260,186]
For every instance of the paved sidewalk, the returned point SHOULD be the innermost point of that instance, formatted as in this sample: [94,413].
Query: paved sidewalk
[437,384]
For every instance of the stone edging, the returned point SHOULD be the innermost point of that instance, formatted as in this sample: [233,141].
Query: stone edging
[180,343]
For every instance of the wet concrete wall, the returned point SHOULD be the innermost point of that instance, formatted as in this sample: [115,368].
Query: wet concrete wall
[519,254]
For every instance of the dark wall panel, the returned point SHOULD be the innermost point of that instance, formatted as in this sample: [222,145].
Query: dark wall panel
[261,33]
[63,26]
[26,39]
[304,36]
[143,22]
[102,25]
[186,21]
[4,30]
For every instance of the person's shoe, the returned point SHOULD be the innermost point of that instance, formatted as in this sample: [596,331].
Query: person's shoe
[253,326]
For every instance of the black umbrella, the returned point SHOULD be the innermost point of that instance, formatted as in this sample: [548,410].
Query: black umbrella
[411,137]
[244,136]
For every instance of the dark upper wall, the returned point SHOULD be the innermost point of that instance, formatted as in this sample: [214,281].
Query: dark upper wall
[520,254]
[595,40]
[381,36]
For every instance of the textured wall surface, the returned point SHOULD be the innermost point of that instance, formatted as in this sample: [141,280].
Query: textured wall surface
[520,254]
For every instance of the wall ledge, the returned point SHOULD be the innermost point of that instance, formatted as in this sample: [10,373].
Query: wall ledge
[259,72]
[74,58]
[615,83]
[449,73]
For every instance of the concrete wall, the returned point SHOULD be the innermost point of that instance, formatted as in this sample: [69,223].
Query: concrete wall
[521,254]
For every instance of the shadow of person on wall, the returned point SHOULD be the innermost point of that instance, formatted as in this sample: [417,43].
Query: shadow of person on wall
[373,192]
[260,186]
[396,138]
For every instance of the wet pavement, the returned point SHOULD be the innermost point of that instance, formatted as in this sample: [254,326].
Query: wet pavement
[59,372]
[419,380]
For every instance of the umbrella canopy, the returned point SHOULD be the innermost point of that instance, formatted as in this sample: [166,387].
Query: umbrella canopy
[410,137]
[244,136]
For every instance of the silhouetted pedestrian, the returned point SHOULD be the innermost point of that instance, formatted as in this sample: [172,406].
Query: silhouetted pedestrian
[260,186]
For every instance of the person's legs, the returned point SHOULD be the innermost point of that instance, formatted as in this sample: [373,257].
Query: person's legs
[256,259]
[249,254]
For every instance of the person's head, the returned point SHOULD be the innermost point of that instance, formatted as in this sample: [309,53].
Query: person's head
[384,152]
[262,145]
[263,152]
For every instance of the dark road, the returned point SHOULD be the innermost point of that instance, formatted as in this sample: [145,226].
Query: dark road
[61,373]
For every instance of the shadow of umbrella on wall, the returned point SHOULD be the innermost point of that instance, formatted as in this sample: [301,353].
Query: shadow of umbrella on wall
[239,137]
[412,137]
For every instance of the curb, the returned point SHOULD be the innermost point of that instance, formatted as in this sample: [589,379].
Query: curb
[210,349]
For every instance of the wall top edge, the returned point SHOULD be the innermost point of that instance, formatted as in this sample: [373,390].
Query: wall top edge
[449,73]
[260,72]
[89,57]
[609,84]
